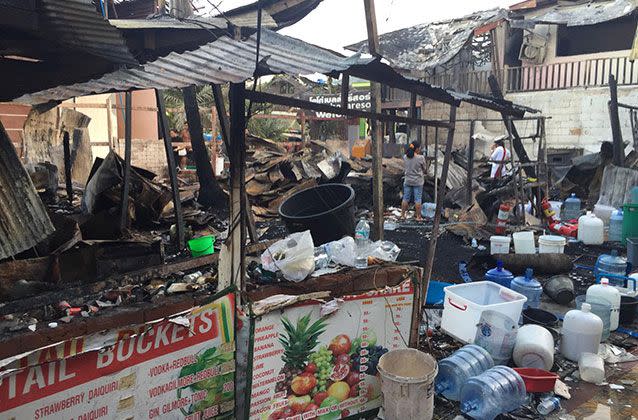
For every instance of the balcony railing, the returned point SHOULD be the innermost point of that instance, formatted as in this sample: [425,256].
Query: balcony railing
[566,75]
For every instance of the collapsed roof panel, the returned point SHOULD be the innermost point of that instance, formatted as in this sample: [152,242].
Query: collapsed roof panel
[24,221]
[283,12]
[221,61]
[580,14]
[428,45]
[76,24]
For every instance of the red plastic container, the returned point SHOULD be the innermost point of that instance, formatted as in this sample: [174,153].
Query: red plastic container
[537,380]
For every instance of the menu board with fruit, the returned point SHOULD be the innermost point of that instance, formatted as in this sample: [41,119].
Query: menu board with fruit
[307,364]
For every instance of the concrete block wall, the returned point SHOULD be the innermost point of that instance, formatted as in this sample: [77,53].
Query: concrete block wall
[146,154]
[579,117]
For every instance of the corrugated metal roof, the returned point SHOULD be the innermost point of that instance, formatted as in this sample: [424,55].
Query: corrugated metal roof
[23,218]
[223,60]
[77,24]
[428,45]
[589,13]
[195,22]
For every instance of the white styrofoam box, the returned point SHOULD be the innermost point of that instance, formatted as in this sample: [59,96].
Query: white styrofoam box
[464,304]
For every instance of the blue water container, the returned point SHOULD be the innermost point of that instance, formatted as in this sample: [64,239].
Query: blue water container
[634,195]
[615,226]
[528,286]
[499,275]
[470,360]
[571,208]
[495,391]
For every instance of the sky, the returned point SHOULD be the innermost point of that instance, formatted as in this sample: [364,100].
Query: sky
[337,23]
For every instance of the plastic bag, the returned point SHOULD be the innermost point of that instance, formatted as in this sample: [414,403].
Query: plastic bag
[294,256]
[383,250]
[342,251]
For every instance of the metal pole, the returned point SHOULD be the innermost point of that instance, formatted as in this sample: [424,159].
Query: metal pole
[124,219]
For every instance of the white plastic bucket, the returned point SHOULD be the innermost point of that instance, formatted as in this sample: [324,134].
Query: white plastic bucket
[407,384]
[551,244]
[464,304]
[524,243]
[500,244]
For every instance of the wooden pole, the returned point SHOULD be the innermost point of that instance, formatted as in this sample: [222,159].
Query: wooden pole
[470,162]
[413,114]
[109,128]
[126,187]
[619,153]
[172,171]
[516,139]
[377,134]
[429,261]
[210,193]
[67,167]
[224,126]
[237,153]
[436,165]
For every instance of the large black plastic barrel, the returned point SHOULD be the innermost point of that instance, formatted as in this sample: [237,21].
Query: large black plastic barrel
[327,210]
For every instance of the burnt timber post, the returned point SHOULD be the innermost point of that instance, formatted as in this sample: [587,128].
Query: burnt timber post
[210,194]
[619,154]
[172,172]
[470,162]
[429,260]
[377,134]
[126,187]
[67,167]
[224,126]
[238,202]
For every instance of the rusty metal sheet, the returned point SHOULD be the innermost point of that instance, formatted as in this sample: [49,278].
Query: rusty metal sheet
[77,24]
[23,218]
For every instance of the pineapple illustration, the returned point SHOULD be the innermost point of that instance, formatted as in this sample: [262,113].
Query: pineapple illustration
[298,342]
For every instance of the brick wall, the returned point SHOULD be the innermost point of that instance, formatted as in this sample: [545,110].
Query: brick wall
[147,154]
[12,117]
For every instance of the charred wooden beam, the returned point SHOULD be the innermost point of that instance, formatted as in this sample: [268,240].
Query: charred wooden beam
[210,193]
[616,132]
[126,187]
[67,167]
[263,97]
[172,171]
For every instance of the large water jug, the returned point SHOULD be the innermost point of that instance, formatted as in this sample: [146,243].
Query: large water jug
[591,229]
[615,226]
[499,275]
[496,333]
[456,369]
[527,285]
[581,333]
[571,208]
[611,263]
[496,391]
[609,294]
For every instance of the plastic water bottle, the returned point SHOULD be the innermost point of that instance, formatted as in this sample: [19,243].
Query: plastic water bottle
[495,391]
[615,226]
[528,286]
[456,369]
[362,239]
[548,405]
[571,208]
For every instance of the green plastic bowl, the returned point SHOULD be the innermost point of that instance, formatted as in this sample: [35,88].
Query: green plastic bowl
[202,246]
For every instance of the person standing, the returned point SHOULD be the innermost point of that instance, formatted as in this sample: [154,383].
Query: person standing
[414,170]
[499,158]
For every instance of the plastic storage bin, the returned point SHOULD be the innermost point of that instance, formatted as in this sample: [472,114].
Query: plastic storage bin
[629,221]
[524,243]
[464,304]
[500,244]
[551,244]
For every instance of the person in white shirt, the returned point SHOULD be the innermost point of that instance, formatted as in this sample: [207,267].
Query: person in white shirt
[499,158]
